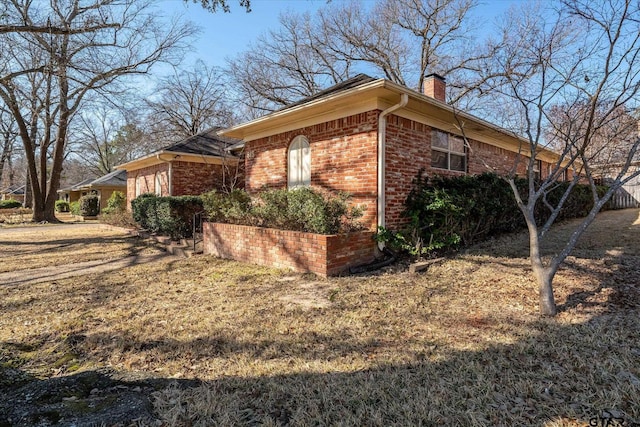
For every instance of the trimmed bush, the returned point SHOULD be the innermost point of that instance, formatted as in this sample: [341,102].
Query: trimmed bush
[446,212]
[170,216]
[231,208]
[10,204]
[117,203]
[62,206]
[74,208]
[89,205]
[302,209]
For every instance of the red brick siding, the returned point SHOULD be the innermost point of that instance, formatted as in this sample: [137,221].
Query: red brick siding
[195,178]
[188,178]
[304,252]
[408,149]
[343,158]
[147,182]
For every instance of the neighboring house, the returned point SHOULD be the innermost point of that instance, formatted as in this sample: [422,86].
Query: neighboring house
[370,137]
[190,167]
[73,193]
[103,187]
[13,192]
[106,185]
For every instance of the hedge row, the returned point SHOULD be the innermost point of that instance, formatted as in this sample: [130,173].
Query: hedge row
[446,212]
[10,204]
[171,216]
[303,209]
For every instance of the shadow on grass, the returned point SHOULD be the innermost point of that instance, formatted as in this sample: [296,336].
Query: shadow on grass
[545,373]
[553,375]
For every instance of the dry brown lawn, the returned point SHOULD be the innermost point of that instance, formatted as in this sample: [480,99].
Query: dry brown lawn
[461,344]
[56,245]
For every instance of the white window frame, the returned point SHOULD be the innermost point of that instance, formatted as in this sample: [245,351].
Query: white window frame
[138,178]
[157,180]
[537,169]
[448,151]
[299,163]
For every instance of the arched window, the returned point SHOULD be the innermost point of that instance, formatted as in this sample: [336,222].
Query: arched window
[299,163]
[138,179]
[158,184]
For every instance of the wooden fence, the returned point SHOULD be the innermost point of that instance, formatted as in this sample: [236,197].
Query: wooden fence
[626,197]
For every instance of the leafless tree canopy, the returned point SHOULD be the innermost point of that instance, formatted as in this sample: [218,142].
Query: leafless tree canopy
[401,40]
[216,5]
[106,137]
[189,102]
[45,76]
[8,146]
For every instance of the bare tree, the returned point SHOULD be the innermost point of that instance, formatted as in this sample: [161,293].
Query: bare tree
[571,75]
[106,137]
[8,136]
[102,41]
[402,40]
[216,5]
[189,102]
[287,64]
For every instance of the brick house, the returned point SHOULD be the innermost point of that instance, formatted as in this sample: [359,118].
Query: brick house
[13,192]
[103,187]
[192,166]
[74,192]
[370,137]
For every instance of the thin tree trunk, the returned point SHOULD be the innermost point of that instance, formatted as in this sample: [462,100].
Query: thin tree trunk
[543,275]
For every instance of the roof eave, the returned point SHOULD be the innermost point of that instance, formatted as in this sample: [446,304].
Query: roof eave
[250,129]
[240,131]
[171,156]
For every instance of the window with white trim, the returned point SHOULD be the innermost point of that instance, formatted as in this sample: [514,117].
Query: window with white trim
[448,151]
[537,167]
[299,159]
[158,184]
[138,183]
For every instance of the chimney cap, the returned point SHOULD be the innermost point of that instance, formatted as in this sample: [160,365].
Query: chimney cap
[435,75]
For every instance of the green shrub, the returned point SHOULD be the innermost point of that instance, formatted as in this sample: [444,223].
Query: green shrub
[446,212]
[10,204]
[117,203]
[302,209]
[74,208]
[89,205]
[232,208]
[62,206]
[171,216]
[143,206]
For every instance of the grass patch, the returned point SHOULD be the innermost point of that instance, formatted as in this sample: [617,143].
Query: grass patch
[461,344]
[64,244]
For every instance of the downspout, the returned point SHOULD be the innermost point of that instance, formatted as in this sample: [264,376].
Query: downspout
[382,134]
[170,174]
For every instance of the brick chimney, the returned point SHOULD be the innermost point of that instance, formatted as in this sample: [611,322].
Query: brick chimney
[435,87]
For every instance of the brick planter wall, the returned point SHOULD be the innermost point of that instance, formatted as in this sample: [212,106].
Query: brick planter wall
[324,255]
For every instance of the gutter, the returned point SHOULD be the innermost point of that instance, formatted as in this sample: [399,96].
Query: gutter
[170,177]
[382,135]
